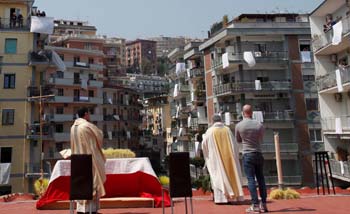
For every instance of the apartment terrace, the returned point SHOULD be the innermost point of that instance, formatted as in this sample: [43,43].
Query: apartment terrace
[322,43]
[328,84]
[244,87]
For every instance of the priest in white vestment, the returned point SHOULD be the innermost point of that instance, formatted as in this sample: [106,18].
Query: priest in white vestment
[86,138]
[221,156]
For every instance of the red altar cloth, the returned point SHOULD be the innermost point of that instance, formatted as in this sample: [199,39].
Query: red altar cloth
[126,177]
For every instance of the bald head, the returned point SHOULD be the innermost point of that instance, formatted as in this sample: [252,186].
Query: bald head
[247,111]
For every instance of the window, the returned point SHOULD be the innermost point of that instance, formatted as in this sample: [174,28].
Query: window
[59,128]
[76,59]
[311,104]
[315,135]
[9,80]
[76,78]
[59,74]
[10,46]
[91,77]
[5,154]
[91,60]
[91,93]
[8,116]
[92,110]
[60,92]
[309,77]
[59,110]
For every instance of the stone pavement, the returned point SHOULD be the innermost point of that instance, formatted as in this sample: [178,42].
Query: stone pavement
[333,204]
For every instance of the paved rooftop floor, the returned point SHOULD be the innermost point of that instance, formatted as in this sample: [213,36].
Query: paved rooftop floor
[332,204]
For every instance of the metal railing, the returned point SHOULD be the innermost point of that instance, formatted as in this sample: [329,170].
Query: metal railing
[328,123]
[329,80]
[277,115]
[240,87]
[7,23]
[337,168]
[325,39]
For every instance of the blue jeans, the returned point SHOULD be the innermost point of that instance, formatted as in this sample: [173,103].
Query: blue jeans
[253,164]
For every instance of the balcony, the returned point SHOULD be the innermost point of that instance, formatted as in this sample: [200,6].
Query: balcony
[313,116]
[340,172]
[7,25]
[61,81]
[97,67]
[284,147]
[310,86]
[96,117]
[33,132]
[62,99]
[330,125]
[243,87]
[61,137]
[260,57]
[41,57]
[94,83]
[197,73]
[329,81]
[268,117]
[61,117]
[34,91]
[322,44]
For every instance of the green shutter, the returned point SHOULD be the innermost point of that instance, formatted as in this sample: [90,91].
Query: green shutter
[11,46]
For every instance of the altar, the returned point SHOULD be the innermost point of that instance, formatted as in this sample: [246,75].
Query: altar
[126,177]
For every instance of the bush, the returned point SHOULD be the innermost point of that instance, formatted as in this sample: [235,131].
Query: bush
[198,162]
[203,182]
[288,193]
[118,153]
[40,186]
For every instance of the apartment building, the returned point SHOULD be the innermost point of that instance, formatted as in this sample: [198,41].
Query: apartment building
[264,60]
[71,27]
[156,121]
[121,117]
[166,44]
[330,27]
[19,155]
[114,61]
[141,56]
[76,83]
[187,96]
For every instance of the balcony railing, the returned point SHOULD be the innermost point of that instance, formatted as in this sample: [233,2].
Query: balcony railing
[196,72]
[325,39]
[61,137]
[240,87]
[341,172]
[7,24]
[40,57]
[310,86]
[329,80]
[275,116]
[34,91]
[329,124]
[260,57]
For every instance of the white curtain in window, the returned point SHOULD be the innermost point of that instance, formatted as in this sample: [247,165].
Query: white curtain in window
[258,116]
[257,85]
[338,126]
[305,56]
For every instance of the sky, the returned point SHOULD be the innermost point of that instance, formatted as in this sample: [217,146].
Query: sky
[133,19]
